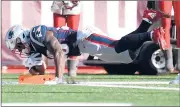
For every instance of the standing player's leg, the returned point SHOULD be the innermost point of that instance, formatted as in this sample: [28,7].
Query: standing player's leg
[73,21]
[72,62]
[166,6]
[59,20]
[177,79]
[176,5]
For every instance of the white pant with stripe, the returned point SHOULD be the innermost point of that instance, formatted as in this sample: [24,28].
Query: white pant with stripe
[100,50]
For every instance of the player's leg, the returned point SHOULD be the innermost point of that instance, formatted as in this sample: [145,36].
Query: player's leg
[177,22]
[59,20]
[72,62]
[143,27]
[166,6]
[134,41]
[145,24]
[73,21]
[176,5]
[177,79]
[149,17]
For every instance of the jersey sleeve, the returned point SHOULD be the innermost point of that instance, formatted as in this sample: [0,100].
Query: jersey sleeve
[38,34]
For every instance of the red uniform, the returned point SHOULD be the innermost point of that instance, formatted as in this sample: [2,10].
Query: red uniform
[166,6]
[66,12]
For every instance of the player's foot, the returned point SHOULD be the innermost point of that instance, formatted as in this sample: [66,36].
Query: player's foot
[176,81]
[152,16]
[158,38]
[55,81]
[71,80]
[174,71]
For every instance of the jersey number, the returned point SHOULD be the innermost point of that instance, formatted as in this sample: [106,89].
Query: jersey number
[38,32]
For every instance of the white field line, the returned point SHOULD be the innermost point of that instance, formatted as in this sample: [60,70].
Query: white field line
[66,104]
[122,85]
[129,82]
[105,83]
[125,86]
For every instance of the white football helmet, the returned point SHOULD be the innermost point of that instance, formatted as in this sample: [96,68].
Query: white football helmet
[17,40]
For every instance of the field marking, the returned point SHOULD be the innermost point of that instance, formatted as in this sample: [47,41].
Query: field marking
[129,82]
[66,104]
[9,83]
[130,86]
[103,83]
[117,84]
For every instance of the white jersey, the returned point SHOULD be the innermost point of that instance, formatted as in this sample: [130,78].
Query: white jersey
[66,7]
[100,45]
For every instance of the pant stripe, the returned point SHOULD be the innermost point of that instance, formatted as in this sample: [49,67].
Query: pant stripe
[102,40]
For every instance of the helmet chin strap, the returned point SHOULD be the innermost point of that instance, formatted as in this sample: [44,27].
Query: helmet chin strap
[26,52]
[21,54]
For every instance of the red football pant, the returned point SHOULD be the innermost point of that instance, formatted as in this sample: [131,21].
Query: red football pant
[166,6]
[71,20]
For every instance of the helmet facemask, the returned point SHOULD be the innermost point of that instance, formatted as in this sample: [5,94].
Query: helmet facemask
[23,49]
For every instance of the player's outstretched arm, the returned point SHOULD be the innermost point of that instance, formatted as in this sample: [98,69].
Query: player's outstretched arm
[56,50]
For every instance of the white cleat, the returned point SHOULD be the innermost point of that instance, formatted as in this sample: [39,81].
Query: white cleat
[55,81]
[71,80]
[50,82]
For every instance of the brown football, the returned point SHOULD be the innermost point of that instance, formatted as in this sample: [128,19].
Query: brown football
[38,69]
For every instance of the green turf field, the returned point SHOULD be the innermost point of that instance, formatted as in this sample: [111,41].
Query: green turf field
[127,90]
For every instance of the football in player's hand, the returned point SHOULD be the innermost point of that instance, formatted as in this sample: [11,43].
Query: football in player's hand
[38,69]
